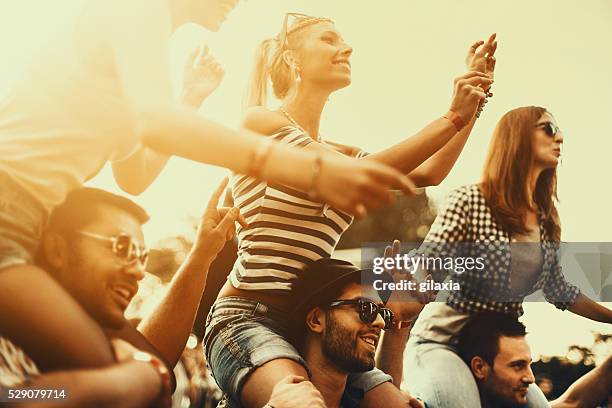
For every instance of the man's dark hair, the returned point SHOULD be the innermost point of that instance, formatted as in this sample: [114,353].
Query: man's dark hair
[480,336]
[80,208]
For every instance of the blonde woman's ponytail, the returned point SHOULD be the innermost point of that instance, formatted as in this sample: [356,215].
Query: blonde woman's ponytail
[257,93]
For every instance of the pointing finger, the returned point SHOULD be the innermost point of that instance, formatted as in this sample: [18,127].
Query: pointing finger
[214,199]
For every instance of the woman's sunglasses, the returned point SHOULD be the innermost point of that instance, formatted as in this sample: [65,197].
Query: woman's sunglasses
[549,128]
[368,311]
[124,246]
[285,30]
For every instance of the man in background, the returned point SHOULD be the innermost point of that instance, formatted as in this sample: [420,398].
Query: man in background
[495,349]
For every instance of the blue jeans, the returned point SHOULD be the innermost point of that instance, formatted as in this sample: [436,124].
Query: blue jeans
[22,220]
[437,375]
[243,334]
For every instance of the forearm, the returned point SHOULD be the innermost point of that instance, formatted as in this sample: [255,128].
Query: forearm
[413,151]
[43,310]
[190,99]
[435,169]
[170,324]
[205,141]
[128,385]
[590,309]
[589,390]
[390,355]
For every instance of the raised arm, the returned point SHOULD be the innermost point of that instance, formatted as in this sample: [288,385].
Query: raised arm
[590,309]
[139,53]
[169,325]
[202,74]
[433,171]
[589,390]
[428,156]
[406,306]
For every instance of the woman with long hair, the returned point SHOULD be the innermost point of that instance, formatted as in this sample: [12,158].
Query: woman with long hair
[247,329]
[510,221]
[100,92]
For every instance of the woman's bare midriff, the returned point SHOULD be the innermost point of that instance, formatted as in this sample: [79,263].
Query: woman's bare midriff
[282,302]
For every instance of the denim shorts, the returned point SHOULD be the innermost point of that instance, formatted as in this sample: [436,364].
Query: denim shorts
[243,334]
[22,221]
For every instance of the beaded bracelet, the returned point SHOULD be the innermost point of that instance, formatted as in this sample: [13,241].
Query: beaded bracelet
[482,102]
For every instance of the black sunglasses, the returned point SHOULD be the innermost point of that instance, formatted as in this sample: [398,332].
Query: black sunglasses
[368,311]
[549,128]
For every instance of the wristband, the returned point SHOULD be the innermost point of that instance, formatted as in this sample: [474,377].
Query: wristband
[455,119]
[162,370]
[258,158]
[401,324]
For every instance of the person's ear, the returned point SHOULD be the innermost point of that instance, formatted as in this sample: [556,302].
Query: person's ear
[315,320]
[479,367]
[54,251]
[289,59]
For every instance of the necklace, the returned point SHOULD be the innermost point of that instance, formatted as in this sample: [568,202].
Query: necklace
[294,122]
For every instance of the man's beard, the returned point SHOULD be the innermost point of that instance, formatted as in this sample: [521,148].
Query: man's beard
[340,346]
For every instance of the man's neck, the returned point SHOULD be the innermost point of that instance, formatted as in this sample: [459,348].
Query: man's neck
[326,377]
[491,401]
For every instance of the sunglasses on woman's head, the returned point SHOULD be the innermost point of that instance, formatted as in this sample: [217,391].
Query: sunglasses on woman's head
[549,128]
[123,245]
[368,311]
[285,31]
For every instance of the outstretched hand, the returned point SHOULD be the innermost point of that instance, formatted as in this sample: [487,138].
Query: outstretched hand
[217,226]
[357,186]
[201,76]
[405,304]
[469,91]
[481,56]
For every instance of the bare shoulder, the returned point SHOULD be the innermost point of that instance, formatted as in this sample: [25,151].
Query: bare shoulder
[263,120]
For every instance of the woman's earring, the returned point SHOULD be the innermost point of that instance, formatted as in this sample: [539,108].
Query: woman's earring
[298,77]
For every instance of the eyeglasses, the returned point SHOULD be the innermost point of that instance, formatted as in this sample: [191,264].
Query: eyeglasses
[368,311]
[284,33]
[549,128]
[123,245]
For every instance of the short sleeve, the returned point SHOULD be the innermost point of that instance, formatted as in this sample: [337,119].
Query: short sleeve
[362,153]
[557,290]
[292,136]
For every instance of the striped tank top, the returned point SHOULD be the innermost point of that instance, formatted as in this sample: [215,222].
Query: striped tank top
[286,229]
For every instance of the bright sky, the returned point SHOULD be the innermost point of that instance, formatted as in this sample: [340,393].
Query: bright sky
[406,54]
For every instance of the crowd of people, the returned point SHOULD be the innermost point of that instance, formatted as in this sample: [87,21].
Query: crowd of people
[292,326]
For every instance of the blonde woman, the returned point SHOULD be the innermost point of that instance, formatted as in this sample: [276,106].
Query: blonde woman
[100,92]
[245,340]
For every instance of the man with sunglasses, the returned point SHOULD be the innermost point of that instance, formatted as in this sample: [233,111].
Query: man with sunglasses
[342,323]
[94,249]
